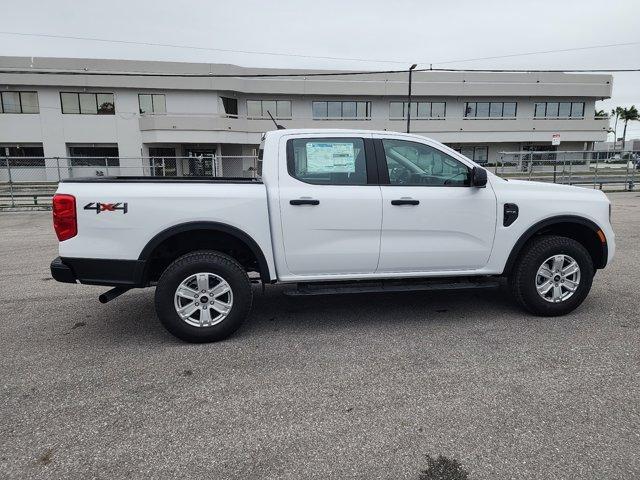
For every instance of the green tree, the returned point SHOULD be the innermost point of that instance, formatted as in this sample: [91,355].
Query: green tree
[628,115]
[616,112]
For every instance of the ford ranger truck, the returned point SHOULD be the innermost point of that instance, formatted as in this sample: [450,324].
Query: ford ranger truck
[333,211]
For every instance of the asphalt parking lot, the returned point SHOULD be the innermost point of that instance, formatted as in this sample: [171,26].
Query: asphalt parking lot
[356,386]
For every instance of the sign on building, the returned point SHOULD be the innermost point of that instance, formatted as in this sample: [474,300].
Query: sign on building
[555,139]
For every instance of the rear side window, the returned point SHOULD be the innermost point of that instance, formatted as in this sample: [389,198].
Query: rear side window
[327,161]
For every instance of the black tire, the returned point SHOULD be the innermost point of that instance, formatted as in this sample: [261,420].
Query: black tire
[196,262]
[523,278]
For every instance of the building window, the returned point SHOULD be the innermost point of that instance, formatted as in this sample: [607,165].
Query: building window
[347,110]
[490,110]
[398,110]
[94,156]
[23,155]
[230,106]
[477,153]
[152,103]
[259,109]
[19,102]
[87,103]
[559,110]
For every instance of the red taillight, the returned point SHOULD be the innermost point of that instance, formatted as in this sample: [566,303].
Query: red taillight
[64,216]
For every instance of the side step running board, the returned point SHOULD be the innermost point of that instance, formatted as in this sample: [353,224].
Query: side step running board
[367,286]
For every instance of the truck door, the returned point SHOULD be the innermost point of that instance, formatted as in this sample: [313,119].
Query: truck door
[330,205]
[433,219]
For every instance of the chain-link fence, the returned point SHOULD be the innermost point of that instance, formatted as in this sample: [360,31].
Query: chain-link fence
[597,169]
[31,181]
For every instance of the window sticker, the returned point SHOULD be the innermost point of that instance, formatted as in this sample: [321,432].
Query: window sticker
[331,157]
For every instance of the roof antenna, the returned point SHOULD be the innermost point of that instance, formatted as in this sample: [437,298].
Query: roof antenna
[279,127]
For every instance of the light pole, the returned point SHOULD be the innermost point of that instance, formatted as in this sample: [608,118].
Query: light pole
[409,102]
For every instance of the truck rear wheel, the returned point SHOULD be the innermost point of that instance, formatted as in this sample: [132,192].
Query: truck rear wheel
[552,276]
[203,296]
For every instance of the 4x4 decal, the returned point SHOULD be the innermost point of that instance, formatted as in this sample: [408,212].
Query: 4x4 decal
[107,207]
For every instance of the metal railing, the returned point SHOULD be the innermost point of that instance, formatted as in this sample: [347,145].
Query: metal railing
[31,181]
[618,170]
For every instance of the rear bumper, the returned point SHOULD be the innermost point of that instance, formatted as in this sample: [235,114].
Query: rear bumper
[61,272]
[98,271]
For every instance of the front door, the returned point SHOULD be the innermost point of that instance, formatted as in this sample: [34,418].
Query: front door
[330,206]
[433,219]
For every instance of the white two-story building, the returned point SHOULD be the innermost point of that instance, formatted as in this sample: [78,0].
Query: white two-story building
[59,108]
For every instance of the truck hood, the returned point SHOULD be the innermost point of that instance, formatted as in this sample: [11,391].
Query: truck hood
[526,185]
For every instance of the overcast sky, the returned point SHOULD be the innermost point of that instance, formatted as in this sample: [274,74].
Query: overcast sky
[379,31]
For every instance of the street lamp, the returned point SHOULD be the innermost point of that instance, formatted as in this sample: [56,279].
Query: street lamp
[411,68]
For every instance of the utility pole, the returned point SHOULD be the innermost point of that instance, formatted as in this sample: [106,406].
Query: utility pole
[409,102]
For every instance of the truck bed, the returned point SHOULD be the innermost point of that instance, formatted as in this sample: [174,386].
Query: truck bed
[117,217]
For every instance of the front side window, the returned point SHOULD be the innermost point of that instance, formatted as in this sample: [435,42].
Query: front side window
[87,103]
[151,103]
[19,102]
[338,110]
[260,109]
[327,161]
[411,163]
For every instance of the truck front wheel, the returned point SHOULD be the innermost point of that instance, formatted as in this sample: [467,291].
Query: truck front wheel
[552,276]
[203,296]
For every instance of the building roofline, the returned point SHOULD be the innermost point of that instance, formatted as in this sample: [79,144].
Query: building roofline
[431,83]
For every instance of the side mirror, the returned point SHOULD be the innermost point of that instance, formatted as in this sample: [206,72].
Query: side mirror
[479,177]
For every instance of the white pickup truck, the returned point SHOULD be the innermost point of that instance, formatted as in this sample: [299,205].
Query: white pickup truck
[333,211]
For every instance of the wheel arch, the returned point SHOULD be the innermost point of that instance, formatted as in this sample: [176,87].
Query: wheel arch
[581,229]
[222,230]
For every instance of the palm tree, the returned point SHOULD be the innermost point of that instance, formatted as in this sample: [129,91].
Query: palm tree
[627,115]
[616,112]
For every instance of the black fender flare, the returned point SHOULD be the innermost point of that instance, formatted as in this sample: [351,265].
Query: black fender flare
[535,228]
[213,227]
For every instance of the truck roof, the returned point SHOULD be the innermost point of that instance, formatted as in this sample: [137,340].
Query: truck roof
[329,131]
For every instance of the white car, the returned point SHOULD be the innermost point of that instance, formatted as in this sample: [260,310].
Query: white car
[334,211]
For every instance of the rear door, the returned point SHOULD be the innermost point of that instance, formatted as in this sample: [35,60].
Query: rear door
[330,205]
[433,219]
